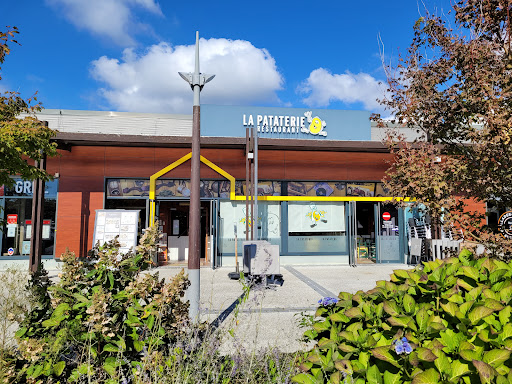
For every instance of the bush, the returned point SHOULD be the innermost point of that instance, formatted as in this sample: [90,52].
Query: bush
[103,320]
[447,323]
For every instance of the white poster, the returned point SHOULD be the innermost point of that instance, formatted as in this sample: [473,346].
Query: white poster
[11,230]
[316,216]
[46,231]
[122,223]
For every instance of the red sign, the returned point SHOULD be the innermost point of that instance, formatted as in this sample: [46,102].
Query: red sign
[12,219]
[386,216]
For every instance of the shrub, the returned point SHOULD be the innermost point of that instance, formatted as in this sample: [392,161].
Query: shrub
[447,323]
[103,320]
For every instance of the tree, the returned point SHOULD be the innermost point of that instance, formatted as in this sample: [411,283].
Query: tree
[455,86]
[21,139]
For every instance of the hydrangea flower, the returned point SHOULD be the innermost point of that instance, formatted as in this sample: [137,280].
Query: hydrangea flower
[402,345]
[326,301]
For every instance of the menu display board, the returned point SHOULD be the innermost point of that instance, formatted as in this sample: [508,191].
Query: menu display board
[122,223]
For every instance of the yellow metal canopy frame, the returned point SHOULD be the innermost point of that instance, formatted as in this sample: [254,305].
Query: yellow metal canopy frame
[233,197]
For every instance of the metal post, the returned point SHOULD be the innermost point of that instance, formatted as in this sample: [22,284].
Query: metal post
[247,183]
[196,80]
[251,191]
[256,237]
[36,238]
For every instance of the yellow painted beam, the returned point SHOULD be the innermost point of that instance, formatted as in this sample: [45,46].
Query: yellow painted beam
[232,196]
[320,198]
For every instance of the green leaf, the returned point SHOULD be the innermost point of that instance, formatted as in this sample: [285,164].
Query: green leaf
[138,345]
[110,368]
[471,272]
[493,304]
[430,376]
[479,313]
[422,319]
[347,348]
[506,331]
[20,332]
[450,308]
[338,317]
[409,303]
[391,308]
[425,354]
[85,369]
[110,348]
[59,367]
[304,378]
[325,343]
[382,353]
[392,378]
[399,321]
[354,312]
[373,375]
[401,273]
[496,357]
[469,355]
[442,362]
[458,369]
[504,315]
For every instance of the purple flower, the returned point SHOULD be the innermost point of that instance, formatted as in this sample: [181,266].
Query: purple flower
[326,301]
[402,345]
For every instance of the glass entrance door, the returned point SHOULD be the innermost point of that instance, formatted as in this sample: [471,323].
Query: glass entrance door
[389,229]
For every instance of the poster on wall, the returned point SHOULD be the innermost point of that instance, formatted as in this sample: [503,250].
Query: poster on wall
[361,189]
[121,223]
[316,188]
[316,216]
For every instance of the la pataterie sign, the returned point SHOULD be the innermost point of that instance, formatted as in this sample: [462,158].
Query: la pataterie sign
[287,124]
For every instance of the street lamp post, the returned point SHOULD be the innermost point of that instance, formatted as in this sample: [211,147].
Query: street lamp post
[197,81]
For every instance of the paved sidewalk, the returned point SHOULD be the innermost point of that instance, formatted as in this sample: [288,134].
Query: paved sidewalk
[270,316]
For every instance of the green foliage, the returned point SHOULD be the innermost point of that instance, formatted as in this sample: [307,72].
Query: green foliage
[455,314]
[453,85]
[103,320]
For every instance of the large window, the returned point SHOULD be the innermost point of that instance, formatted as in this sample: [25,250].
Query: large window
[233,219]
[316,227]
[17,214]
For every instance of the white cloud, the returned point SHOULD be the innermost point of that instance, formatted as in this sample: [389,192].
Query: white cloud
[150,82]
[323,88]
[113,19]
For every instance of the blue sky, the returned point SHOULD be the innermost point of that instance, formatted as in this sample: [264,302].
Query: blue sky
[124,55]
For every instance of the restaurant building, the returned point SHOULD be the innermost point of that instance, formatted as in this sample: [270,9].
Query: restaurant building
[320,196]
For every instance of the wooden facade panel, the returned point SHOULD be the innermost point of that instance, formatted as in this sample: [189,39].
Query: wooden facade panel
[69,222]
[81,184]
[53,165]
[271,170]
[136,152]
[170,154]
[82,166]
[129,167]
[84,151]
[69,204]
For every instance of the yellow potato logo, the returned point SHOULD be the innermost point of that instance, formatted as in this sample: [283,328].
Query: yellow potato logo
[316,215]
[316,125]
